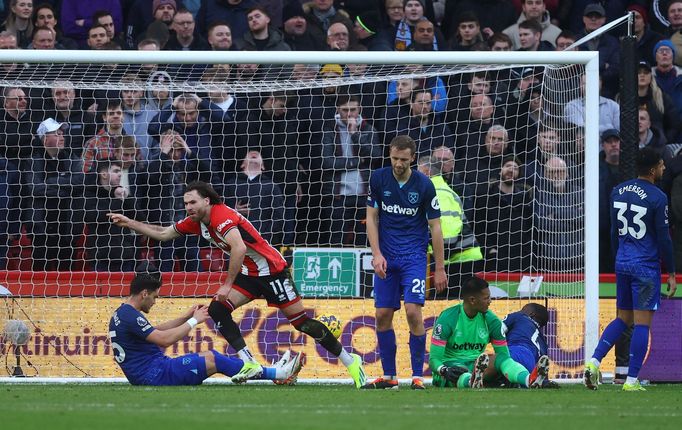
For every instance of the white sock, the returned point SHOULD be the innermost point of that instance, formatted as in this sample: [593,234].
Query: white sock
[527,381]
[595,361]
[630,380]
[345,358]
[280,373]
[246,355]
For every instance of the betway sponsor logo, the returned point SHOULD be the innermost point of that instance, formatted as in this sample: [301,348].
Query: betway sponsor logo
[468,346]
[397,209]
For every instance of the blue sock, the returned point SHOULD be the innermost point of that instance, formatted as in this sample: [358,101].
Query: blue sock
[269,373]
[387,348]
[610,336]
[227,365]
[638,347]
[417,348]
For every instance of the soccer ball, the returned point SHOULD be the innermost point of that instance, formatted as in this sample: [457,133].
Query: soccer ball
[333,323]
[17,332]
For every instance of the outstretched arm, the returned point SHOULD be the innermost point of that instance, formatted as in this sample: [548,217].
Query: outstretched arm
[180,320]
[156,232]
[166,338]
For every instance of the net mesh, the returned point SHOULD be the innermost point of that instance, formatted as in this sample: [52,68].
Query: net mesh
[291,148]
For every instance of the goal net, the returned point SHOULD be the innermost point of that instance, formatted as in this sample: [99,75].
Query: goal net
[289,140]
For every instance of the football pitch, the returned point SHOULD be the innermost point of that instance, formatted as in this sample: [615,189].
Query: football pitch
[333,407]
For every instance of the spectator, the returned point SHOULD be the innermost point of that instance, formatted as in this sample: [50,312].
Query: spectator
[649,136]
[530,37]
[261,36]
[668,75]
[19,22]
[395,12]
[537,11]
[594,17]
[398,107]
[609,177]
[43,38]
[149,69]
[338,37]
[44,16]
[253,194]
[494,15]
[609,111]
[350,148]
[427,129]
[67,108]
[295,27]
[564,40]
[500,42]
[136,115]
[77,17]
[142,14]
[231,12]
[183,36]
[224,111]
[51,212]
[662,111]
[503,220]
[646,37]
[483,163]
[159,95]
[193,127]
[97,37]
[16,126]
[111,248]
[370,34]
[133,172]
[674,15]
[220,36]
[480,116]
[372,94]
[173,166]
[467,34]
[559,219]
[101,146]
[404,36]
[106,20]
[321,15]
[272,130]
[425,36]
[9,206]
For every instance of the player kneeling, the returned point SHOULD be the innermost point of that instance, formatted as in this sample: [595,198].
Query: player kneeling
[460,336]
[137,344]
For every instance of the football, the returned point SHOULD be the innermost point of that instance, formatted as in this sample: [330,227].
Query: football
[333,323]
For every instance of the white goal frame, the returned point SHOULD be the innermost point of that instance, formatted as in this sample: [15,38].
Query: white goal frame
[590,60]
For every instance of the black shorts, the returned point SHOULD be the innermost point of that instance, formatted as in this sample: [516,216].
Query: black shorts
[278,290]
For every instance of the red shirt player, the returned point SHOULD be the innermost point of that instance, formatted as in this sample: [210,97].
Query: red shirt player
[256,270]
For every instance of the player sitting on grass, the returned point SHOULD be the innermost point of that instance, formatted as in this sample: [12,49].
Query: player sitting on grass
[527,344]
[137,345]
[460,337]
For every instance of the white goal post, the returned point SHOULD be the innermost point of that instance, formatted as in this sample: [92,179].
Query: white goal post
[389,66]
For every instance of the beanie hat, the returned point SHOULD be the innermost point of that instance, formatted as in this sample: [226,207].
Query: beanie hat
[667,43]
[331,68]
[640,10]
[369,21]
[158,3]
[292,9]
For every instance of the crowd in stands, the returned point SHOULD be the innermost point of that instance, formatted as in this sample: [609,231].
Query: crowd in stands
[296,163]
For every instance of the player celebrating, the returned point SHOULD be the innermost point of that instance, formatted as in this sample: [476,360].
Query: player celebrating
[459,339]
[527,345]
[640,236]
[256,270]
[137,345]
[401,208]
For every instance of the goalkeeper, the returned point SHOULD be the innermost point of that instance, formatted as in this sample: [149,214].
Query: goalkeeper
[459,339]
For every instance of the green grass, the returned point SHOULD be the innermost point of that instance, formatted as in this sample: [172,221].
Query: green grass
[333,407]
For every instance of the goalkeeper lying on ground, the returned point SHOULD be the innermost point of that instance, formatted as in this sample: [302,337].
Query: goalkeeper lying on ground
[459,340]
